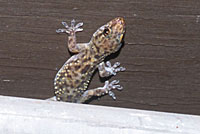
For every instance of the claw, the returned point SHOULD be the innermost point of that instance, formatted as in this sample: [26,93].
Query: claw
[73,23]
[110,86]
[116,86]
[108,64]
[79,30]
[114,82]
[62,31]
[111,94]
[120,69]
[65,24]
[120,88]
[79,25]
[116,64]
[106,84]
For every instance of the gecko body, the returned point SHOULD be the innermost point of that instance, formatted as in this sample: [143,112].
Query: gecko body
[71,81]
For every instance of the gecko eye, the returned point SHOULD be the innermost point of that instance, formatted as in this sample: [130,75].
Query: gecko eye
[106,31]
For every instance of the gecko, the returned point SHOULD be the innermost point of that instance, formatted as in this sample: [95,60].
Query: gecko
[71,81]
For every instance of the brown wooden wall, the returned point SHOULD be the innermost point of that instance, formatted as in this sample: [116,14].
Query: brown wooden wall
[161,51]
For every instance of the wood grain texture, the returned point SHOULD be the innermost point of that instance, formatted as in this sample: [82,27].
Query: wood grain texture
[161,51]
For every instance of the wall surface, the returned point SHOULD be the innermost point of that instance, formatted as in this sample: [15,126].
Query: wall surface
[161,51]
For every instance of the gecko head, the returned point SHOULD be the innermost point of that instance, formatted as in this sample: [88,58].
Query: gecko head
[108,38]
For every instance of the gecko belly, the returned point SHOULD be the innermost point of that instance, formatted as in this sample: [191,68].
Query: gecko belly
[73,78]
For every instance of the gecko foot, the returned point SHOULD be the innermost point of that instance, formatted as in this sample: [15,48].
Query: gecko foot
[72,28]
[106,89]
[114,69]
[110,86]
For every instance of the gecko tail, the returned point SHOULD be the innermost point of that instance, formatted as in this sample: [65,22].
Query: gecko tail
[52,99]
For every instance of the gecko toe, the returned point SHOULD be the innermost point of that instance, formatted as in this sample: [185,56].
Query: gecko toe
[65,24]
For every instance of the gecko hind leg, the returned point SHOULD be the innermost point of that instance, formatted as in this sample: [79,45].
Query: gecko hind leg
[100,91]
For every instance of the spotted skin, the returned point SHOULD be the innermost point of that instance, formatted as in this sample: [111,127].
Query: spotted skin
[71,81]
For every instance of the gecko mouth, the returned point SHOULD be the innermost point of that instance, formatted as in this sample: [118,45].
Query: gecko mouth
[121,37]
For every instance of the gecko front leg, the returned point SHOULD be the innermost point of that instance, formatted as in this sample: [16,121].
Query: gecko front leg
[100,91]
[105,71]
[71,31]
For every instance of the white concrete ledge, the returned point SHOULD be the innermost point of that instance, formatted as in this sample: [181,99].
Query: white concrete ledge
[30,116]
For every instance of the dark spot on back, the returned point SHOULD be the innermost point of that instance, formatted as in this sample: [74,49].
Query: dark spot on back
[105,48]
[69,67]
[69,76]
[77,82]
[67,91]
[117,40]
[75,74]
[113,42]
[85,60]
[96,37]
[77,67]
[97,56]
[85,69]
[97,48]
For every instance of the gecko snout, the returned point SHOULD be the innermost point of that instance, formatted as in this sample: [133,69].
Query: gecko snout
[118,25]
[120,20]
